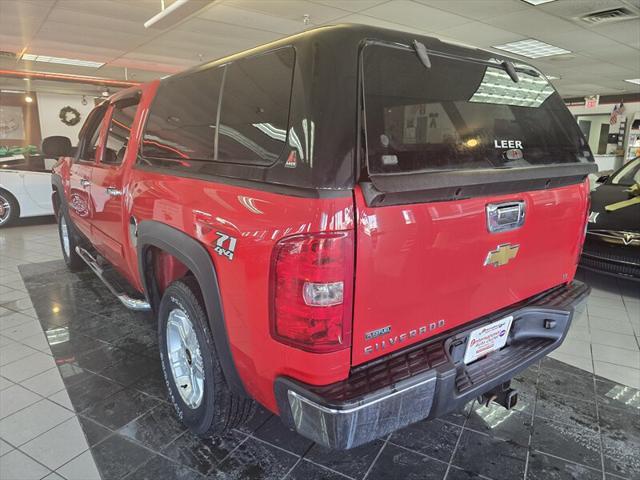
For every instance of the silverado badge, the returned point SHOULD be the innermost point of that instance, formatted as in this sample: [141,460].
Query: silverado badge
[501,255]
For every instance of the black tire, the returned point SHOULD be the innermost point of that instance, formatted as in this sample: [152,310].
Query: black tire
[9,208]
[220,409]
[71,258]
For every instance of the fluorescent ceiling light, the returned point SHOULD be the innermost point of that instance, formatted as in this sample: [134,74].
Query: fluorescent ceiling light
[538,2]
[531,48]
[174,13]
[551,77]
[64,61]
[633,80]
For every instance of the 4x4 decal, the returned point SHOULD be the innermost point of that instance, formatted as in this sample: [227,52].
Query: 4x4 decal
[230,242]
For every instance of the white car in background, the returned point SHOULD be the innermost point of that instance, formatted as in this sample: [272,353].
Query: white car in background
[25,189]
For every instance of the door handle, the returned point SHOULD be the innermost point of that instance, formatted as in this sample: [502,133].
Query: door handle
[84,182]
[114,192]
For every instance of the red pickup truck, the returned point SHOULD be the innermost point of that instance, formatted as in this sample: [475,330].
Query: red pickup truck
[355,227]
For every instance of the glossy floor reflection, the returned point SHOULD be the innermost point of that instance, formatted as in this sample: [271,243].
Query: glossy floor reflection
[569,423]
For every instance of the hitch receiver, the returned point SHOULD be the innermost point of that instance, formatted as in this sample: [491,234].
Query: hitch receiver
[503,395]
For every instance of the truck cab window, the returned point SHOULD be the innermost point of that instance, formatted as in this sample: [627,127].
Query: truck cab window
[90,135]
[122,117]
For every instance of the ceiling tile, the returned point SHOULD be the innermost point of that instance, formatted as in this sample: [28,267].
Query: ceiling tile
[577,40]
[153,66]
[120,27]
[134,11]
[534,23]
[589,88]
[477,9]
[100,37]
[252,19]
[155,62]
[225,34]
[377,22]
[72,49]
[21,21]
[480,34]
[621,55]
[415,15]
[291,9]
[350,5]
[626,32]
[198,40]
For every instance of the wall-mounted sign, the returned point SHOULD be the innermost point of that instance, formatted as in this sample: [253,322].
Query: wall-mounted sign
[591,101]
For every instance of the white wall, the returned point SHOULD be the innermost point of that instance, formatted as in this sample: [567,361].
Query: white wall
[49,106]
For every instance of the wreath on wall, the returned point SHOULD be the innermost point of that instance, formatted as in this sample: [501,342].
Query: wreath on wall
[69,116]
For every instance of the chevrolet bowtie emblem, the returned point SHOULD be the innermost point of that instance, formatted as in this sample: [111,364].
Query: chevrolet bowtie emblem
[501,255]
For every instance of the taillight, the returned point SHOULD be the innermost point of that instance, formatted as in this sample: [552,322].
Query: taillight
[312,291]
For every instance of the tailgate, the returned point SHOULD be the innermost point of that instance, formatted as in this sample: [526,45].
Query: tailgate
[423,269]
[473,196]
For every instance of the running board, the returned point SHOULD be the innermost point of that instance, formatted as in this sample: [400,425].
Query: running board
[129,302]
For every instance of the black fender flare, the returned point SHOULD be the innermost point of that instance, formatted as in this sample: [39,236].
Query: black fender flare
[195,257]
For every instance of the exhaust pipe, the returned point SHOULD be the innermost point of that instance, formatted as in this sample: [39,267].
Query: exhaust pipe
[502,395]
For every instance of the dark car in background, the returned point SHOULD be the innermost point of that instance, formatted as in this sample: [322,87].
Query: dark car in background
[612,245]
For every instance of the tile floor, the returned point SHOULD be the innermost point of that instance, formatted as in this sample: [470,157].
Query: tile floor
[81,397]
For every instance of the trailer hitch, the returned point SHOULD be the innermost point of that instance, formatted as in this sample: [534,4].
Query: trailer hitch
[502,395]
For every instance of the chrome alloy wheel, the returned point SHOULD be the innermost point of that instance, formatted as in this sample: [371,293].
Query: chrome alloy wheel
[64,236]
[5,209]
[185,358]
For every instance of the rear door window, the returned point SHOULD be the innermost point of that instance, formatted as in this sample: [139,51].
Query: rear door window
[182,119]
[235,113]
[461,115]
[255,108]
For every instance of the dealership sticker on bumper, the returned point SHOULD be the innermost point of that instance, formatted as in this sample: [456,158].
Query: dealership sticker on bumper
[487,339]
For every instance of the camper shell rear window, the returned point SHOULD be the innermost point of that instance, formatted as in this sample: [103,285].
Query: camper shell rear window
[461,114]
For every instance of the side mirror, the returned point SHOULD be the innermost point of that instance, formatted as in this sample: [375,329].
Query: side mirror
[602,179]
[56,147]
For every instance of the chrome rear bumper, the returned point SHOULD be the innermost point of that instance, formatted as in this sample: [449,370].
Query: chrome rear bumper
[428,380]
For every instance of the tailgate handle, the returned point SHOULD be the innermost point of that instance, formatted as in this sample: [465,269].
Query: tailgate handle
[505,216]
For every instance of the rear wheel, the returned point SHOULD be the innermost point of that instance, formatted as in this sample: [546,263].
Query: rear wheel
[9,208]
[190,364]
[69,242]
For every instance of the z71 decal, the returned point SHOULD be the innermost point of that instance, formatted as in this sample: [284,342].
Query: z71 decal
[225,245]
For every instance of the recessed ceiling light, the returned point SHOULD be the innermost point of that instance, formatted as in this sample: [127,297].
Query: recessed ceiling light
[531,48]
[538,2]
[633,80]
[64,61]
[28,99]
